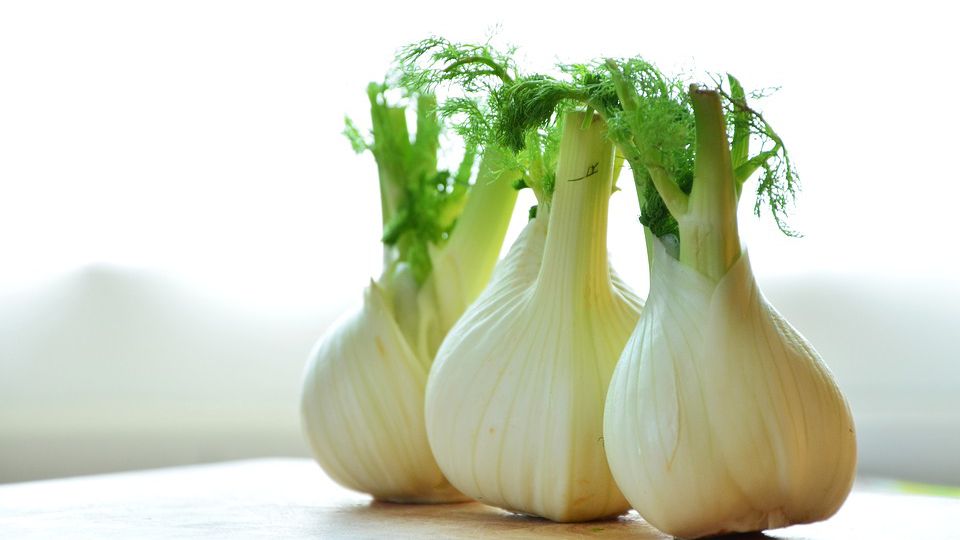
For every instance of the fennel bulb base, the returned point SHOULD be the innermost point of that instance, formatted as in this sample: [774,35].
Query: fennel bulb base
[445,494]
[569,517]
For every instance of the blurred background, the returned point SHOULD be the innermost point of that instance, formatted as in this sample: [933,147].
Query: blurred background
[180,217]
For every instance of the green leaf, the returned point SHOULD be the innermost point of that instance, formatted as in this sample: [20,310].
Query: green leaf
[740,147]
[420,203]
[352,133]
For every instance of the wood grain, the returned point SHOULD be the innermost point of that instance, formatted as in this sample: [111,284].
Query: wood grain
[291,498]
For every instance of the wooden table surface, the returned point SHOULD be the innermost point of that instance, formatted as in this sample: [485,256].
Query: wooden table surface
[291,498]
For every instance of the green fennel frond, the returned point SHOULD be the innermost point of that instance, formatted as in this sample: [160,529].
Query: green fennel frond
[641,110]
[469,73]
[650,118]
[467,118]
[352,133]
[655,129]
[528,105]
[778,183]
[436,60]
[653,125]
[420,204]
[480,77]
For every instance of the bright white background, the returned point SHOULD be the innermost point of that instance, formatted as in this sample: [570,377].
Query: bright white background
[180,217]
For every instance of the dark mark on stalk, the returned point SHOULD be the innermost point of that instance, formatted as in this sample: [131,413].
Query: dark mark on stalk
[591,170]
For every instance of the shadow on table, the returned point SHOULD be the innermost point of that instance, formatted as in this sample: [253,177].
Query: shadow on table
[473,520]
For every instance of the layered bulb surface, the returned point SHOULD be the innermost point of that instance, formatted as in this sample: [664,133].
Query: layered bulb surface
[726,419]
[362,408]
[514,402]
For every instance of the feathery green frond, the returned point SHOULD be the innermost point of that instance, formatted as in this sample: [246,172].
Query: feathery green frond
[655,120]
[474,67]
[779,182]
[740,145]
[527,105]
[468,119]
[652,124]
[352,133]
[471,72]
[480,78]
[420,203]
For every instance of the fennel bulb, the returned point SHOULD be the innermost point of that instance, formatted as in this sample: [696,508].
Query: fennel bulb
[720,417]
[724,419]
[515,396]
[363,390]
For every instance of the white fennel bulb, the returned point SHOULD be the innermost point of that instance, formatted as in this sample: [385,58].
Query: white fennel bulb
[721,417]
[363,408]
[514,402]
[363,389]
